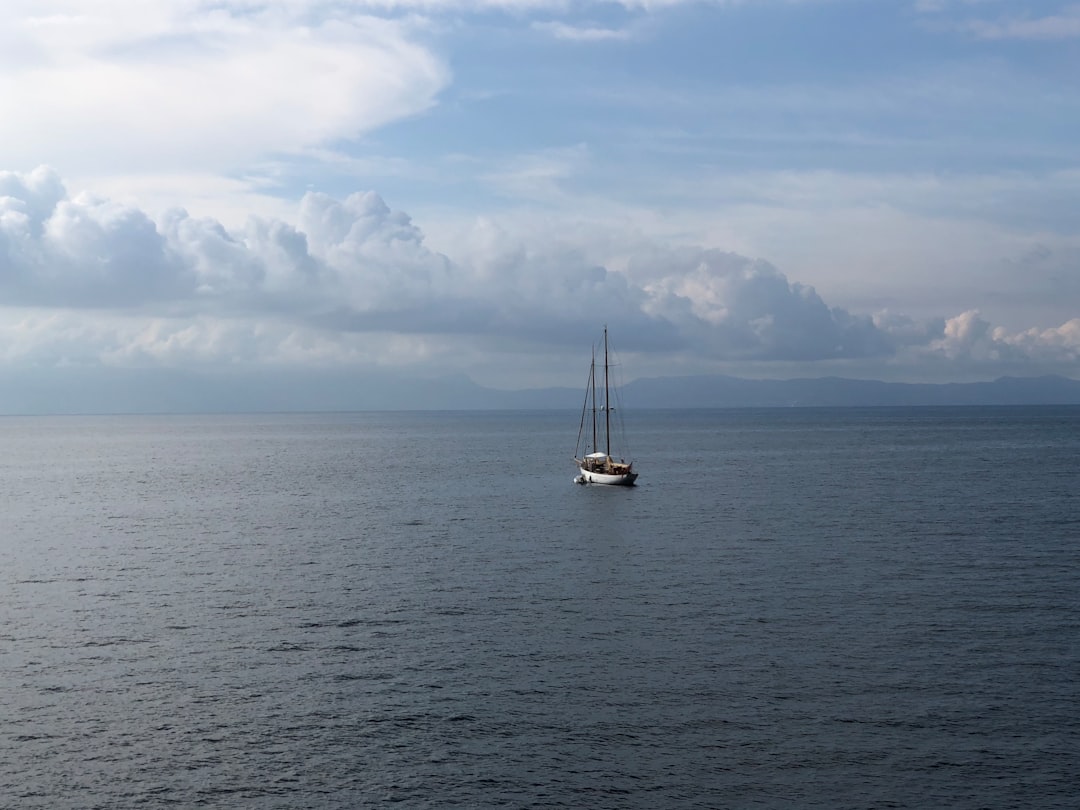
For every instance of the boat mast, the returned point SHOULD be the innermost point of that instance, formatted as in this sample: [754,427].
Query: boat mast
[607,401]
[592,386]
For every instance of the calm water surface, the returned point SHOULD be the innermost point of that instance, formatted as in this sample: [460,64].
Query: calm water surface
[794,608]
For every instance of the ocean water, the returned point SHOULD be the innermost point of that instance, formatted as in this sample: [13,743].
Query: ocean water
[794,608]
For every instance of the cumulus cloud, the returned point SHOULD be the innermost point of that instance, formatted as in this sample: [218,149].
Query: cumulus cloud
[971,345]
[79,252]
[743,308]
[84,279]
[352,265]
[971,337]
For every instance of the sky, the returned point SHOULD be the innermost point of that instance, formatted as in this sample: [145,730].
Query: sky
[881,189]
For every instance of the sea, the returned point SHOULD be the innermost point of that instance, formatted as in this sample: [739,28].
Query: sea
[794,608]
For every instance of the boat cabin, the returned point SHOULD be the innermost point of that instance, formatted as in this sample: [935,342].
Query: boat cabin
[603,463]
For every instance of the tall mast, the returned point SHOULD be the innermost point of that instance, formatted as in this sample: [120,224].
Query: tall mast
[607,401]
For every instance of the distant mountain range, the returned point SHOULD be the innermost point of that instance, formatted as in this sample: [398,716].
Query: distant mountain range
[717,391]
[164,391]
[726,392]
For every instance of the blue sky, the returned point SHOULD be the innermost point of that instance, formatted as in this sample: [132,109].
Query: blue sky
[867,188]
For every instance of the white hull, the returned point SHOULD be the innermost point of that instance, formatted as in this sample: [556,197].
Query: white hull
[619,480]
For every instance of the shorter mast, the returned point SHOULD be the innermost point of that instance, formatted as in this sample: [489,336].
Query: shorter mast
[607,401]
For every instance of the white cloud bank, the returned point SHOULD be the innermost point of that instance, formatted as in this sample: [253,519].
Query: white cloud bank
[88,281]
[152,93]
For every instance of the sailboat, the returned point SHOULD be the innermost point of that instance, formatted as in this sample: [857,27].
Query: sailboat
[593,456]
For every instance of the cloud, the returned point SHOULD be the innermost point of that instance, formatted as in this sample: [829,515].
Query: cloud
[539,176]
[79,252]
[976,338]
[741,308]
[87,280]
[1054,27]
[1064,24]
[1058,344]
[575,33]
[175,85]
[969,343]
